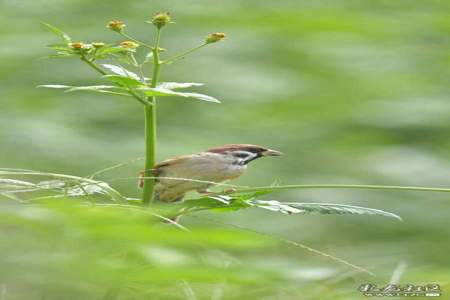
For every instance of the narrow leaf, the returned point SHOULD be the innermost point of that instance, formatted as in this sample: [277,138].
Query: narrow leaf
[58,55]
[14,183]
[320,208]
[178,85]
[99,89]
[201,97]
[277,206]
[222,203]
[59,33]
[61,48]
[108,50]
[51,184]
[124,81]
[121,71]
[54,86]
[91,88]
[85,188]
[148,57]
[159,91]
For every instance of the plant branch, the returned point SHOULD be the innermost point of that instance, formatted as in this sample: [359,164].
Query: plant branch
[182,55]
[136,96]
[150,128]
[93,65]
[98,69]
[341,186]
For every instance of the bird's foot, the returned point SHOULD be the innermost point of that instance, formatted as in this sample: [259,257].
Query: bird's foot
[141,179]
[230,191]
[206,192]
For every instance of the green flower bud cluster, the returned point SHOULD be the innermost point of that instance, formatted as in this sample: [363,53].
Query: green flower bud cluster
[161,19]
[215,37]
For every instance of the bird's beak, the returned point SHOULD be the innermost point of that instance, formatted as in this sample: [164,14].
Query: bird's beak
[270,152]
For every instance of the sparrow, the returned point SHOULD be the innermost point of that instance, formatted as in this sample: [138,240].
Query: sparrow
[177,176]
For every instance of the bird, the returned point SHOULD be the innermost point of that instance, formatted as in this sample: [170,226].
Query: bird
[198,172]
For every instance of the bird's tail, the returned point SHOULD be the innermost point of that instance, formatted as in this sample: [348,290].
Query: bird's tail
[143,174]
[141,180]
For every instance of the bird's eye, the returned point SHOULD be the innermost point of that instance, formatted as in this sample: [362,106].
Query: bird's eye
[241,154]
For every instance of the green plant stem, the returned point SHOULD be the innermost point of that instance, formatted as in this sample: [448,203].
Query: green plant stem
[182,55]
[93,65]
[98,69]
[150,128]
[342,186]
[136,96]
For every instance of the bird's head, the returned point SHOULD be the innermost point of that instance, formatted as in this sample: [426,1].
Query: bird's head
[244,153]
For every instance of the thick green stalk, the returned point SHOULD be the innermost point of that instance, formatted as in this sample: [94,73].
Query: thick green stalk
[150,129]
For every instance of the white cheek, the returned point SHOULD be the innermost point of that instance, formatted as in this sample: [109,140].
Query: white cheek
[234,170]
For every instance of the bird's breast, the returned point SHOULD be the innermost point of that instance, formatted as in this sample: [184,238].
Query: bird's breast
[209,167]
[196,173]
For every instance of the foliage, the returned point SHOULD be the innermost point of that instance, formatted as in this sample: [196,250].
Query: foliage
[353,92]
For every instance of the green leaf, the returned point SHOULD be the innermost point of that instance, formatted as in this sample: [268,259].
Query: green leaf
[219,203]
[99,89]
[119,70]
[54,86]
[60,33]
[200,97]
[148,57]
[51,184]
[58,55]
[124,81]
[91,88]
[276,206]
[10,187]
[109,49]
[57,180]
[85,189]
[6,183]
[158,91]
[132,60]
[61,48]
[177,85]
[247,200]
[320,208]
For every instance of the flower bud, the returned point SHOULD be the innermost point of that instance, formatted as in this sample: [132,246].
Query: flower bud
[161,19]
[215,37]
[129,45]
[116,25]
[97,45]
[77,46]
[160,49]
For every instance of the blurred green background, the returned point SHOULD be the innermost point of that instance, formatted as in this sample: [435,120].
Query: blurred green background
[351,92]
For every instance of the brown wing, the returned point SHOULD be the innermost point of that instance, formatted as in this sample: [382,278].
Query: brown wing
[157,169]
